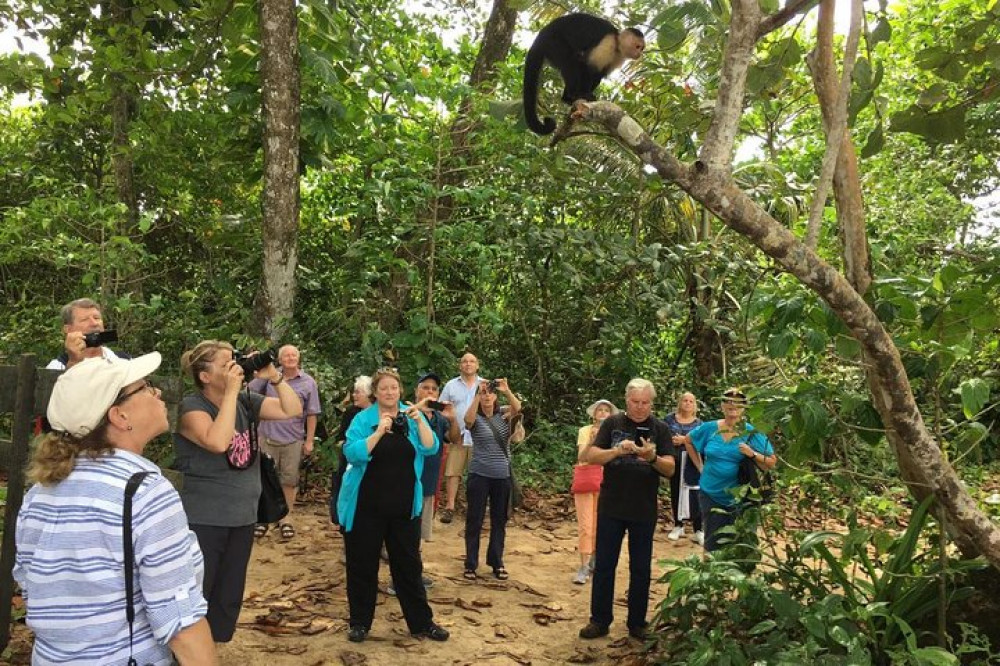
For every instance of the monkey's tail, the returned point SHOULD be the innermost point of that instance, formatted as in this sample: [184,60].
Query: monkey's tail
[532,69]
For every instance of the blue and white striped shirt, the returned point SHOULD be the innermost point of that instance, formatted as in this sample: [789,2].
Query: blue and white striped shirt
[70,565]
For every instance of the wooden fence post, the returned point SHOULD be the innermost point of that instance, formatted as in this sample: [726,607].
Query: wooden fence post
[20,437]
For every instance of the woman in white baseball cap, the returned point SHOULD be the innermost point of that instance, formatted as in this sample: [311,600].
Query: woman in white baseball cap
[70,543]
[587,487]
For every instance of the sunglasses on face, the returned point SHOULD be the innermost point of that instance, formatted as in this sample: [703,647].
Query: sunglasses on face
[146,386]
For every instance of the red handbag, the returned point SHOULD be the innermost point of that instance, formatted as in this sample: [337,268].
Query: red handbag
[587,478]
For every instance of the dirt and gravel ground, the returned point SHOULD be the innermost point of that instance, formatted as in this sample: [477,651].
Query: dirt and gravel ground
[296,608]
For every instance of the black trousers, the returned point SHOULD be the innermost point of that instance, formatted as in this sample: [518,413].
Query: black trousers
[479,489]
[402,541]
[227,553]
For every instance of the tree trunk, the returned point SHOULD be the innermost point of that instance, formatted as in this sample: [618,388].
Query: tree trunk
[122,106]
[280,82]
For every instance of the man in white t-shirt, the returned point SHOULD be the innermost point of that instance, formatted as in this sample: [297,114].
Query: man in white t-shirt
[459,391]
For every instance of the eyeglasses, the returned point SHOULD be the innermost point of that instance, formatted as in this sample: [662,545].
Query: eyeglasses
[146,386]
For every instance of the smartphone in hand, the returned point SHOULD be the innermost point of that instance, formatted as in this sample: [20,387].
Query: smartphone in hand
[435,404]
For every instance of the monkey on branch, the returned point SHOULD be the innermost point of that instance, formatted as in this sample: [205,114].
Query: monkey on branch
[585,49]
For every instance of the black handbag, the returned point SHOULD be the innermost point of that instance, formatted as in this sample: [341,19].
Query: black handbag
[271,507]
[759,481]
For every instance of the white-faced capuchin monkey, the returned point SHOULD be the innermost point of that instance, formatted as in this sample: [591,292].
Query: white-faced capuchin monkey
[585,49]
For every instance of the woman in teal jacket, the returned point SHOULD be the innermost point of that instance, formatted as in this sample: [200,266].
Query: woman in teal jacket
[717,448]
[380,501]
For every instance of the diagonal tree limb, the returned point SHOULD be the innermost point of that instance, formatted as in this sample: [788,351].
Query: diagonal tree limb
[837,127]
[915,448]
[772,22]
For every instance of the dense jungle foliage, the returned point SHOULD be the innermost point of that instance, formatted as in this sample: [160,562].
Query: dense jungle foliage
[567,271]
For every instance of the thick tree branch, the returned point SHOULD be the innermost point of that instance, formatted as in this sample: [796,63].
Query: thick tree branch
[717,151]
[915,447]
[837,126]
[774,21]
[846,179]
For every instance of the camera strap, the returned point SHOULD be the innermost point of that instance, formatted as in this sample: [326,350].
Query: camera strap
[504,445]
[130,489]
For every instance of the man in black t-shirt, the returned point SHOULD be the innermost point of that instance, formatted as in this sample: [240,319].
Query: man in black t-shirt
[635,449]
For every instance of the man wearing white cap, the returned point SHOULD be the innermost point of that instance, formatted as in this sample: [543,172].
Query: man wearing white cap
[69,533]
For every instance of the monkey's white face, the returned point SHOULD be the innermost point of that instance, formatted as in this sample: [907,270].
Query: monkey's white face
[632,46]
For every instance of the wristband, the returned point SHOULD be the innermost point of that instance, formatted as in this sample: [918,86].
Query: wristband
[280,379]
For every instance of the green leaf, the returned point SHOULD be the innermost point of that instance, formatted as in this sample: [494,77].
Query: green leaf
[933,656]
[975,393]
[840,635]
[874,143]
[762,627]
[814,625]
[500,109]
[778,345]
[933,96]
[862,74]
[880,33]
[947,126]
[671,35]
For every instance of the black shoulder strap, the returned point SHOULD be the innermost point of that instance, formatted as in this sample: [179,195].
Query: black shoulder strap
[500,440]
[130,489]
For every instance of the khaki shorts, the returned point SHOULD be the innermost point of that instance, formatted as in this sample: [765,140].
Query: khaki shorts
[287,458]
[458,459]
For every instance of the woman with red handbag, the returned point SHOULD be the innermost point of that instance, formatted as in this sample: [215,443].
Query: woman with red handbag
[587,486]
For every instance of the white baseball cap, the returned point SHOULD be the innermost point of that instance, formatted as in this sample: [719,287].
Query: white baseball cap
[83,394]
[593,407]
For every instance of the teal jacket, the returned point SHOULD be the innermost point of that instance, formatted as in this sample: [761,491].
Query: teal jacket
[356,452]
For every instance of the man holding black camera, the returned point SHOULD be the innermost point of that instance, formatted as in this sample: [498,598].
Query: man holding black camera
[83,326]
[287,441]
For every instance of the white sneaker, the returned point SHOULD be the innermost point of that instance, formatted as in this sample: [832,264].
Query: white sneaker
[676,533]
[698,537]
[581,575]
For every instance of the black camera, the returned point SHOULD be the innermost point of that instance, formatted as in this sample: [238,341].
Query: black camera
[400,423]
[493,386]
[100,339]
[253,363]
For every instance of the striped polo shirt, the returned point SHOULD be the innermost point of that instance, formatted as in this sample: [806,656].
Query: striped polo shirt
[70,564]
[488,459]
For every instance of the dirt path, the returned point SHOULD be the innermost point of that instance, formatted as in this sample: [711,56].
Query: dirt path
[296,608]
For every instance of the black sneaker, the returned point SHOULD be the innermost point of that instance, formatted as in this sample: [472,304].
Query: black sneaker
[638,633]
[593,630]
[447,515]
[357,634]
[433,632]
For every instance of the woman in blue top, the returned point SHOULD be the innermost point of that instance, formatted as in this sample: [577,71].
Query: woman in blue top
[380,501]
[717,447]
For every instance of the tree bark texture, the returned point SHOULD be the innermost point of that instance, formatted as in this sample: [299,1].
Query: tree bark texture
[846,177]
[835,121]
[280,84]
[122,106]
